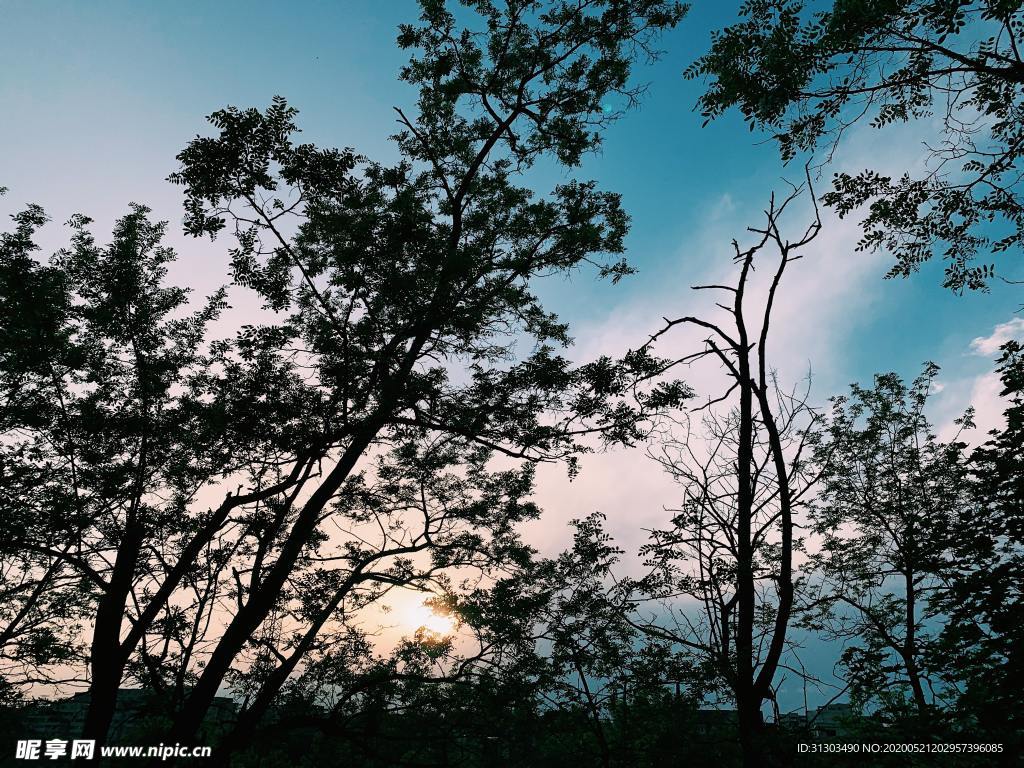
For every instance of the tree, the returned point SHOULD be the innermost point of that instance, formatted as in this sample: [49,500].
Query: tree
[399,307]
[980,594]
[731,545]
[429,512]
[112,428]
[596,661]
[889,492]
[560,629]
[41,601]
[543,668]
[392,277]
[807,75]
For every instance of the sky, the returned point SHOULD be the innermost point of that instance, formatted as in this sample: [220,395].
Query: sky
[97,98]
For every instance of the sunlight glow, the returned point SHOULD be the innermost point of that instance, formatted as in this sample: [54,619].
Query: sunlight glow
[423,616]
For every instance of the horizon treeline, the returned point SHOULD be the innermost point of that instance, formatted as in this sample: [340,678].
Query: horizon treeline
[201,513]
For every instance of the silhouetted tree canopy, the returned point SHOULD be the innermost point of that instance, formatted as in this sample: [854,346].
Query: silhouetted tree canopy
[890,489]
[353,434]
[210,531]
[983,639]
[808,73]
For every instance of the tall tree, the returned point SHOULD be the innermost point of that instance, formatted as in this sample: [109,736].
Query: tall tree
[889,492]
[595,660]
[125,418]
[981,595]
[808,74]
[391,278]
[41,599]
[731,546]
[561,629]
[112,429]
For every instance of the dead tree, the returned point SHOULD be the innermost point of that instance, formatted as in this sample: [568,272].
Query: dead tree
[732,542]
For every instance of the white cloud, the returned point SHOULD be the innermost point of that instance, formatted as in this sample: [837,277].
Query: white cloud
[988,404]
[981,391]
[966,386]
[987,346]
[823,299]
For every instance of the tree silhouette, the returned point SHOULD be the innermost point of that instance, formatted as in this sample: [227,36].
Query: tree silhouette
[40,600]
[401,323]
[114,427]
[889,492]
[980,593]
[392,275]
[807,75]
[732,542]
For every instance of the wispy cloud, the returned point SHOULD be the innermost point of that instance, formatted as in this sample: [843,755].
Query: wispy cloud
[981,391]
[825,308]
[987,346]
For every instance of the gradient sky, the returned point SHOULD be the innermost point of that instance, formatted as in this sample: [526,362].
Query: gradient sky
[96,98]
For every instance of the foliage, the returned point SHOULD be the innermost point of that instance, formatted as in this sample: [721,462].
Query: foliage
[109,425]
[809,74]
[889,492]
[982,640]
[235,512]
[377,429]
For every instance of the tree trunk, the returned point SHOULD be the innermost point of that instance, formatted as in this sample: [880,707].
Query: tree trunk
[748,703]
[108,653]
[263,599]
[910,647]
[750,724]
[106,660]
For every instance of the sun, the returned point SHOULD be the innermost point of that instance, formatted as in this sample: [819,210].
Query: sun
[422,616]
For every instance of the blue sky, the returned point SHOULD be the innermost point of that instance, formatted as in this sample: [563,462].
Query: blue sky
[98,97]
